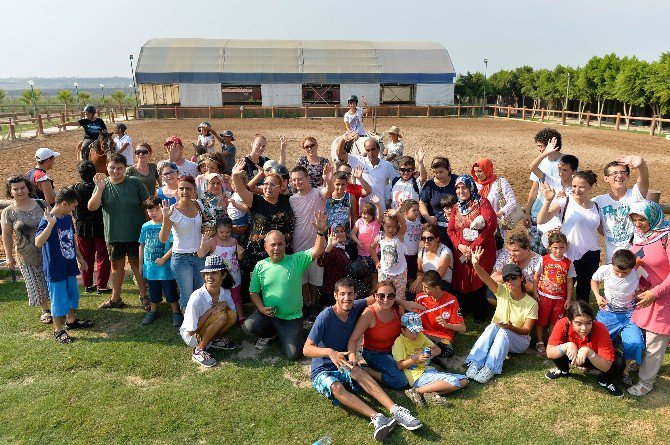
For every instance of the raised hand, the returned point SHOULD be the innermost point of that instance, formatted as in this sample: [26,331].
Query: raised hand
[420,154]
[240,249]
[282,143]
[99,180]
[332,239]
[238,167]
[476,254]
[166,209]
[206,239]
[358,172]
[548,192]
[551,146]
[49,217]
[320,221]
[350,136]
[631,161]
[374,199]
[327,173]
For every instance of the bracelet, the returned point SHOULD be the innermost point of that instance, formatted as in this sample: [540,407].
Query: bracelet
[560,349]
[322,233]
[591,355]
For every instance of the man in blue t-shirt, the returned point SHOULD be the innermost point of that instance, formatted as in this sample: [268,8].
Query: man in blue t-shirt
[337,375]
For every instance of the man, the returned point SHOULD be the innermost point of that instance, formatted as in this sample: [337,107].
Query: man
[121,198]
[175,150]
[38,176]
[614,206]
[357,191]
[337,376]
[376,171]
[124,143]
[305,203]
[279,279]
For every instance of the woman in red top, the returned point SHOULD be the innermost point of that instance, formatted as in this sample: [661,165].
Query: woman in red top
[580,340]
[466,233]
[379,325]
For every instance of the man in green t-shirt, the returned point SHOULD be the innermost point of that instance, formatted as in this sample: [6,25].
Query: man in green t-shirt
[279,279]
[121,198]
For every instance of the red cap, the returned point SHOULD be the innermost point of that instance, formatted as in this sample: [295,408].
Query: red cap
[172,140]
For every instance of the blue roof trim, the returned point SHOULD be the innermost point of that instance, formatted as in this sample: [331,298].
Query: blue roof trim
[265,78]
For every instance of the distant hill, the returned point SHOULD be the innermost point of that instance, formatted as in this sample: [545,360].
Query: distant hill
[51,85]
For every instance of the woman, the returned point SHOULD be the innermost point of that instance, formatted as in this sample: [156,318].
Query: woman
[510,327]
[517,251]
[184,219]
[433,255]
[21,219]
[580,220]
[470,290]
[146,171]
[253,162]
[170,176]
[494,188]
[442,184]
[379,325]
[313,162]
[652,313]
[580,340]
[211,163]
[214,200]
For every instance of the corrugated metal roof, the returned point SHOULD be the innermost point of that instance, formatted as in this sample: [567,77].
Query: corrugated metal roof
[292,61]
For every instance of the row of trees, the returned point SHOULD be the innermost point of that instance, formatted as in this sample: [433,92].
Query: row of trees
[67,98]
[627,84]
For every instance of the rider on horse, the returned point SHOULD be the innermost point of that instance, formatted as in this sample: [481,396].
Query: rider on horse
[92,129]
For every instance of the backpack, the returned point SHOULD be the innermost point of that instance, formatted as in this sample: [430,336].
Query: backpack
[415,184]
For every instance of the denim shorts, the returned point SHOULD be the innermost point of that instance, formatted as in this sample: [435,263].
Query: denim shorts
[431,375]
[325,380]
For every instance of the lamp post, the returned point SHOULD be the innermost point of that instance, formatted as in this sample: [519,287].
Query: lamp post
[567,93]
[134,85]
[102,89]
[76,93]
[486,65]
[32,95]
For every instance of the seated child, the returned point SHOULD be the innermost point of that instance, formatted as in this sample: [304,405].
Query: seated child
[412,351]
[335,262]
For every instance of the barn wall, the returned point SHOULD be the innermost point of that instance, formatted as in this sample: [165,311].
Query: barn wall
[369,90]
[435,94]
[200,94]
[289,94]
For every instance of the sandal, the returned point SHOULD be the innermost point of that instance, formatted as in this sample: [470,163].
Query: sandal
[145,302]
[111,304]
[62,337]
[639,390]
[540,348]
[79,324]
[46,317]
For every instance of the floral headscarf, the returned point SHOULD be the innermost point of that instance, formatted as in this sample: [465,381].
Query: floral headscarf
[658,225]
[466,206]
[487,168]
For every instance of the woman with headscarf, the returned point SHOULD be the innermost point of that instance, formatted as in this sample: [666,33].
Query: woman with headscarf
[652,312]
[494,188]
[472,223]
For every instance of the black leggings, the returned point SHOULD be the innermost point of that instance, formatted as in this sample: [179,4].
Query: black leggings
[474,303]
[585,267]
[615,371]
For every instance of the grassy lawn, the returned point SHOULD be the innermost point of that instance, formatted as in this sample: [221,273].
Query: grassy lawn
[124,383]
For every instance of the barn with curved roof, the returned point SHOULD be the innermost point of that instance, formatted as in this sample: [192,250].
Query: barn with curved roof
[212,72]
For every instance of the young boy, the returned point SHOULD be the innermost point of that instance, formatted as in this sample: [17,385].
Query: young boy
[442,316]
[412,350]
[407,186]
[553,286]
[155,265]
[617,302]
[210,313]
[412,236]
[92,126]
[60,255]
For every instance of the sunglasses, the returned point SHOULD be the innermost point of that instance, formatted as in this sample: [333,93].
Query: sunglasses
[406,170]
[427,238]
[141,152]
[309,146]
[383,296]
[508,278]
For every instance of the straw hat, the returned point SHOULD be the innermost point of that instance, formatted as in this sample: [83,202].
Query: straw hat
[395,130]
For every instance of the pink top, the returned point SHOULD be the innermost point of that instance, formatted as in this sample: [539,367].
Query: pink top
[653,267]
[366,235]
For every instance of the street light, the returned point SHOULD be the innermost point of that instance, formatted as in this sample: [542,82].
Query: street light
[102,88]
[486,65]
[567,93]
[32,95]
[132,73]
[76,93]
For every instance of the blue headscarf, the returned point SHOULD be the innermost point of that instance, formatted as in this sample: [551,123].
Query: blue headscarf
[466,206]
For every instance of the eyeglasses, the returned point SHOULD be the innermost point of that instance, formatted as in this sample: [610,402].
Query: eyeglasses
[427,238]
[166,174]
[141,152]
[508,278]
[369,150]
[620,173]
[406,170]
[383,296]
[309,146]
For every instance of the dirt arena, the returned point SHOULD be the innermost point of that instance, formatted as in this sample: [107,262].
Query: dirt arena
[508,143]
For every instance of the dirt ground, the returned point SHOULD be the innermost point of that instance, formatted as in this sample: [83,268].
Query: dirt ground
[509,144]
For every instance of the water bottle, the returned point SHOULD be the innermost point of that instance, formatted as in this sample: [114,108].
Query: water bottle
[325,440]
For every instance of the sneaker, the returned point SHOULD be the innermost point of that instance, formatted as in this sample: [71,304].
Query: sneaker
[434,399]
[612,389]
[111,304]
[224,344]
[203,358]
[177,319]
[472,371]
[104,290]
[555,373]
[149,318]
[484,375]
[540,348]
[91,289]
[383,427]
[263,342]
[405,418]
[415,397]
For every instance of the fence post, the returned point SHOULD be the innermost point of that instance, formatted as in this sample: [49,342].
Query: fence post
[458,113]
[588,118]
[652,127]
[241,111]
[40,125]
[176,112]
[136,113]
[111,116]
[562,117]
[523,114]
[542,115]
[209,111]
[618,121]
[62,118]
[509,111]
[12,129]
[337,110]
[305,107]
[155,111]
[428,111]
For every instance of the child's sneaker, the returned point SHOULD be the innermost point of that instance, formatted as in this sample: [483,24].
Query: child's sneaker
[203,358]
[177,319]
[434,399]
[383,427]
[149,318]
[555,373]
[415,397]
[263,342]
[405,418]
[484,375]
[472,371]
[224,344]
[612,389]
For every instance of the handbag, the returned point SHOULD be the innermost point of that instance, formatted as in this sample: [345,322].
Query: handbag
[507,222]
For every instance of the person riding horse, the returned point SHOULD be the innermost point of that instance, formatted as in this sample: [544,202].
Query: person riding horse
[92,128]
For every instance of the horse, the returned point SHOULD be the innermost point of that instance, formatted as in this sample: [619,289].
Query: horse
[357,147]
[99,151]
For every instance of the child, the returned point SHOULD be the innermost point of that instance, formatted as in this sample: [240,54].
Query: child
[209,313]
[442,316]
[155,265]
[412,236]
[407,186]
[92,128]
[365,230]
[339,209]
[392,265]
[427,385]
[553,287]
[60,255]
[621,283]
[335,262]
[353,118]
[225,246]
[447,202]
[239,213]
[206,138]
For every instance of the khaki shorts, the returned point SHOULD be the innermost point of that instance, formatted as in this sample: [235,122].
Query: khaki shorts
[313,275]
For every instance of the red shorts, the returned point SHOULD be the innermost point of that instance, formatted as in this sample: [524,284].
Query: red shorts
[550,310]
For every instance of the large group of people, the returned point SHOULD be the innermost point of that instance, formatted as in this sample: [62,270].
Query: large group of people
[368,247]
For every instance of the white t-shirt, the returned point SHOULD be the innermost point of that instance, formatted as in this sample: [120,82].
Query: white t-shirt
[619,292]
[617,226]
[395,149]
[392,259]
[199,303]
[188,168]
[426,264]
[378,176]
[128,152]
[404,190]
[555,222]
[204,140]
[355,121]
[186,232]
[580,226]
[549,168]
[233,212]
[304,208]
[412,236]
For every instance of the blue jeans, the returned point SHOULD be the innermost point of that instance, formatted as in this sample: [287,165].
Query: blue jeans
[492,347]
[157,288]
[384,363]
[186,269]
[619,323]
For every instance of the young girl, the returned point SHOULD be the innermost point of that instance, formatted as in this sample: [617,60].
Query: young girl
[225,246]
[169,175]
[392,265]
[412,236]
[239,213]
[365,230]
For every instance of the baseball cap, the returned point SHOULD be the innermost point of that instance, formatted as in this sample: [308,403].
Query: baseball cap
[269,164]
[172,140]
[412,321]
[511,270]
[42,154]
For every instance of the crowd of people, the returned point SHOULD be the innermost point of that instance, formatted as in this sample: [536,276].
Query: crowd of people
[373,247]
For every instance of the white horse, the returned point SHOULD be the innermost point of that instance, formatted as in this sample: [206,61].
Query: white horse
[358,147]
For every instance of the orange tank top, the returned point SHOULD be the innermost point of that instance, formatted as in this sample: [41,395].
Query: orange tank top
[381,337]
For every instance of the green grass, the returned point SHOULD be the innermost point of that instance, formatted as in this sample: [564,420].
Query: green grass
[124,383]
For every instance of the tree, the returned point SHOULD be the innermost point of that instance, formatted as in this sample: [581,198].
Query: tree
[658,86]
[84,97]
[522,74]
[630,85]
[27,96]
[65,96]
[118,97]
[528,82]
[3,94]
[601,75]
[504,84]
[471,86]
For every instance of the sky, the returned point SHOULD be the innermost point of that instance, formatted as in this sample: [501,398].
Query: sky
[512,33]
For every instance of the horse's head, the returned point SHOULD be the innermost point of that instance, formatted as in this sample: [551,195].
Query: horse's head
[106,143]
